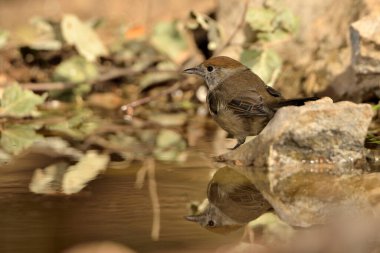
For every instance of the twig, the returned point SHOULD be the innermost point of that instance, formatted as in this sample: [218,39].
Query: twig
[149,168]
[238,27]
[128,108]
[113,74]
[154,198]
[140,176]
[47,86]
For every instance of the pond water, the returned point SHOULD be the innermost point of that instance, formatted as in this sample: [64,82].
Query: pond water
[110,208]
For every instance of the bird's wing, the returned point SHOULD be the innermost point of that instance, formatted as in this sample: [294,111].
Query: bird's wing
[244,195]
[249,104]
[213,103]
[273,92]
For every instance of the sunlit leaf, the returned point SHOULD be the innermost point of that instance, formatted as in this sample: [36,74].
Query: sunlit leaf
[48,180]
[47,35]
[83,37]
[265,63]
[16,138]
[78,175]
[261,19]
[19,102]
[168,39]
[75,70]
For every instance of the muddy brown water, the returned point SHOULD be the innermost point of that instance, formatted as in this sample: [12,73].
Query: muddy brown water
[109,209]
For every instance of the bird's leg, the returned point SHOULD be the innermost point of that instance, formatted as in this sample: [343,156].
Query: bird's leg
[239,142]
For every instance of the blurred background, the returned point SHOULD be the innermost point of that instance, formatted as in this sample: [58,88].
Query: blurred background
[111,145]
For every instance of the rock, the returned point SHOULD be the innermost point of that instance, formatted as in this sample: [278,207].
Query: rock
[310,163]
[360,81]
[365,39]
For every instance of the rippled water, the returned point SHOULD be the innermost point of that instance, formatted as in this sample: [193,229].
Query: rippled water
[110,208]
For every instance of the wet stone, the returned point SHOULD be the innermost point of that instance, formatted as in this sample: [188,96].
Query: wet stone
[310,161]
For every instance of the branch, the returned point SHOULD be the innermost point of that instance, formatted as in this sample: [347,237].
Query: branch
[238,27]
[128,108]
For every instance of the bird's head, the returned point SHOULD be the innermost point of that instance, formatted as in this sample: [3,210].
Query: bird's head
[215,220]
[216,69]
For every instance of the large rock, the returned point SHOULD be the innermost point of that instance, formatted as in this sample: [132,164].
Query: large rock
[365,41]
[309,162]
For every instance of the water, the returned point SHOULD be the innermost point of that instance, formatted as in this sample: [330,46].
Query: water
[110,209]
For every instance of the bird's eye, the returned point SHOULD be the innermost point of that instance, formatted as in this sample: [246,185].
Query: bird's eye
[210,223]
[210,68]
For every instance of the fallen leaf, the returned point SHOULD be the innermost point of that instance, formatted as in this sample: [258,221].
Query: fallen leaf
[168,39]
[78,175]
[16,138]
[48,180]
[261,19]
[19,102]
[83,37]
[75,70]
[80,125]
[135,32]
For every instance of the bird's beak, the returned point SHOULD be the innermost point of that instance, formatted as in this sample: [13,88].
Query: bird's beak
[195,71]
[193,218]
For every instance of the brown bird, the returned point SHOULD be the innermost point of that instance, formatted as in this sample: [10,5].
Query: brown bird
[238,100]
[233,202]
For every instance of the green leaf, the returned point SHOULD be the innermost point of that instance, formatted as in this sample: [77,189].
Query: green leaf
[19,102]
[167,38]
[287,21]
[15,138]
[261,19]
[83,37]
[265,63]
[75,70]
[273,36]
[78,126]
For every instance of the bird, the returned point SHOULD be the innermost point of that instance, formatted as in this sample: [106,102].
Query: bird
[233,201]
[238,99]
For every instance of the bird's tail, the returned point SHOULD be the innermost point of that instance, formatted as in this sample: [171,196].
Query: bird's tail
[295,101]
